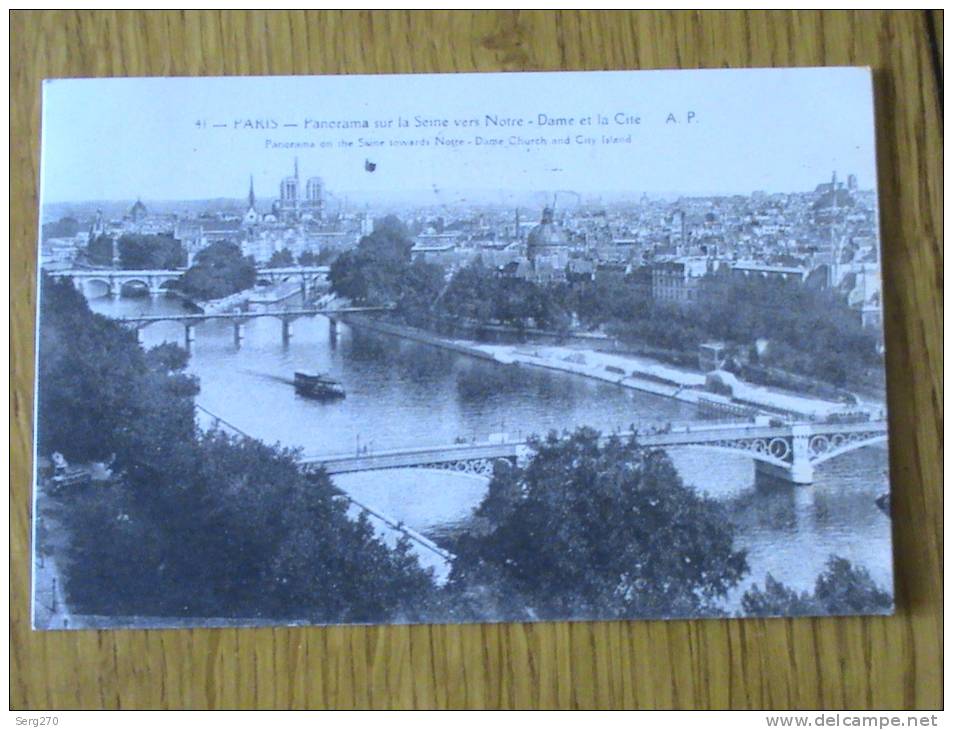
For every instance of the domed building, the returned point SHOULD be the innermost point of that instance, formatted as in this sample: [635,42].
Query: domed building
[546,240]
[138,211]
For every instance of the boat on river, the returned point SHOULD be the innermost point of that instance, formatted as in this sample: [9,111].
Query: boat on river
[317,385]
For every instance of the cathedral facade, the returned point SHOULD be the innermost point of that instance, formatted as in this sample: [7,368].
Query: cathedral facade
[295,203]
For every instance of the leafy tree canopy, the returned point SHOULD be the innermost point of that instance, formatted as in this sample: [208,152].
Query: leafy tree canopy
[321,258]
[139,251]
[65,227]
[99,250]
[842,589]
[280,259]
[99,393]
[587,530]
[376,269]
[217,271]
[196,524]
[480,294]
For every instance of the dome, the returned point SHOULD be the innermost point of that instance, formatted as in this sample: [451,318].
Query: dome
[138,211]
[545,235]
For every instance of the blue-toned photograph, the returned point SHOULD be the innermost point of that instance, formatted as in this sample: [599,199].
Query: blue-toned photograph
[459,348]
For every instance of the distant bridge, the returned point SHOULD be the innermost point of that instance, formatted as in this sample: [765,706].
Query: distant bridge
[145,319]
[788,452]
[239,318]
[112,282]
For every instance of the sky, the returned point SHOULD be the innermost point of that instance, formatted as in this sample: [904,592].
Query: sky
[734,131]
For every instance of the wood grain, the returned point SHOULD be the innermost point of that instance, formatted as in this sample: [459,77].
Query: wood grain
[804,663]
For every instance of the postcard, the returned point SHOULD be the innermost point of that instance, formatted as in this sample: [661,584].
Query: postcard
[459,348]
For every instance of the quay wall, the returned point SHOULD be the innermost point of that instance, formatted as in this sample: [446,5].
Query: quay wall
[412,333]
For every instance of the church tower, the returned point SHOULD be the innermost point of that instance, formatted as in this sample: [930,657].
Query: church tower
[289,200]
[98,227]
[251,215]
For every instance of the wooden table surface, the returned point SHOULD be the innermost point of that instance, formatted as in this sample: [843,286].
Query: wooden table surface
[831,663]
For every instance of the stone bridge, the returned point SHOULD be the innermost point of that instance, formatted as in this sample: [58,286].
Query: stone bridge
[788,452]
[307,276]
[111,282]
[239,318]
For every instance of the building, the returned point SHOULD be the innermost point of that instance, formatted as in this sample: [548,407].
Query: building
[547,249]
[288,203]
[291,206]
[138,212]
[832,201]
[678,280]
[863,285]
[314,198]
[750,269]
[546,238]
[367,224]
[252,217]
[712,356]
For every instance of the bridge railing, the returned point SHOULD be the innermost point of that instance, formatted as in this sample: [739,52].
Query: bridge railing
[519,437]
[212,421]
[650,432]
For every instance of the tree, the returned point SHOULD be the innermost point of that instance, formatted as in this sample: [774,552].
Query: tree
[323,257]
[348,275]
[374,270]
[218,270]
[281,258]
[845,589]
[94,383]
[345,573]
[100,250]
[598,531]
[195,524]
[472,293]
[241,533]
[419,288]
[65,227]
[777,600]
[389,242]
[841,589]
[65,421]
[481,294]
[138,251]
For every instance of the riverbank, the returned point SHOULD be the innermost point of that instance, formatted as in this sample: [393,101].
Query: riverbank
[263,296]
[275,294]
[627,371]
[220,306]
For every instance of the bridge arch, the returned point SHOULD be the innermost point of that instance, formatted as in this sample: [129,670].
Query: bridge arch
[95,288]
[846,446]
[750,453]
[134,287]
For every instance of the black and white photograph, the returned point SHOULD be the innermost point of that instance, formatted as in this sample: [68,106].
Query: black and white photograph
[459,348]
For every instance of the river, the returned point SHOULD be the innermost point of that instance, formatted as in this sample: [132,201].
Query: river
[405,394]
